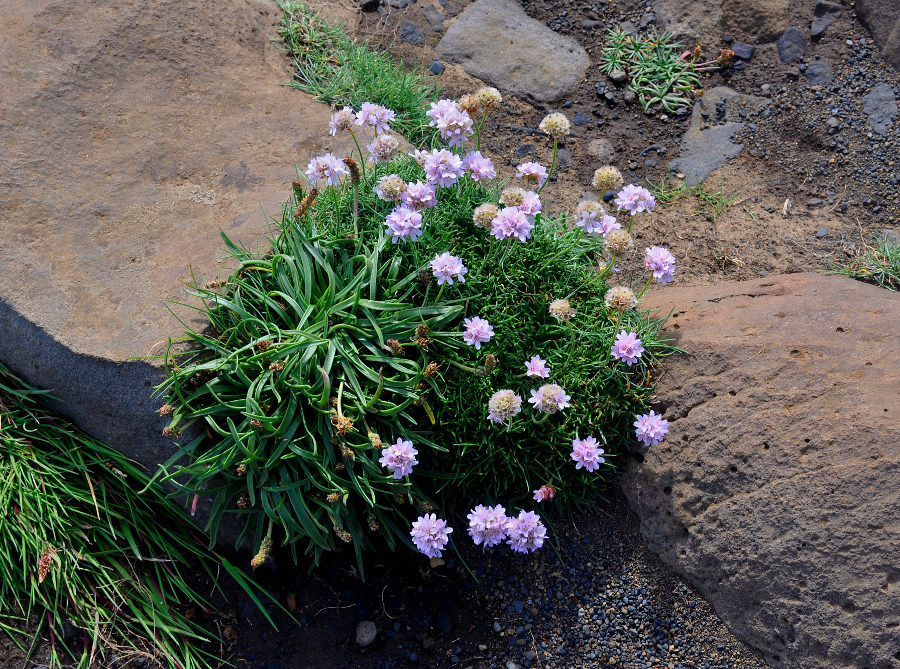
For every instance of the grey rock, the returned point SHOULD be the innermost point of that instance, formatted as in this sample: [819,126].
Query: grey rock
[410,33]
[434,17]
[743,50]
[889,237]
[564,157]
[819,73]
[824,14]
[618,77]
[771,492]
[601,149]
[524,150]
[437,67]
[366,633]
[581,119]
[833,124]
[157,147]
[822,232]
[496,41]
[791,45]
[882,18]
[880,107]
[593,25]
[702,150]
[630,97]
[399,4]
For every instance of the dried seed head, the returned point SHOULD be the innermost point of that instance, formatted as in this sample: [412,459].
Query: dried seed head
[431,370]
[342,424]
[620,298]
[556,125]
[421,330]
[305,203]
[256,422]
[214,284]
[241,470]
[334,497]
[166,410]
[347,452]
[561,310]
[469,103]
[607,178]
[373,523]
[343,534]
[353,168]
[484,215]
[265,547]
[490,362]
[512,196]
[276,366]
[375,440]
[339,467]
[399,499]
[619,242]
[427,506]
[243,501]
[171,432]
[394,347]
[44,562]
[297,189]
[488,97]
[264,345]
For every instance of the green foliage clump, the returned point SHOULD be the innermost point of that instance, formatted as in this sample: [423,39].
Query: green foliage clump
[81,542]
[338,71]
[301,340]
[654,63]
[879,265]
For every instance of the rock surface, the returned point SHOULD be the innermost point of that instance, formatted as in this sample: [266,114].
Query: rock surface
[882,18]
[824,14]
[707,143]
[707,20]
[494,40]
[775,492]
[791,45]
[880,106]
[131,132]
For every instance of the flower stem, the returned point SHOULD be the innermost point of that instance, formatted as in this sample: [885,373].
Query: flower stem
[465,368]
[552,165]
[362,159]
[646,286]
[571,348]
[356,209]
[478,131]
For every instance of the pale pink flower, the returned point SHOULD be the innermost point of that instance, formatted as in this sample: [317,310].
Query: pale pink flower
[627,348]
[532,172]
[537,368]
[586,453]
[399,458]
[478,332]
[661,262]
[526,532]
[446,268]
[375,115]
[487,525]
[430,534]
[544,492]
[651,428]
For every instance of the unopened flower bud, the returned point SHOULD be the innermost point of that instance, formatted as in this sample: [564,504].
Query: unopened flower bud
[265,547]
[353,168]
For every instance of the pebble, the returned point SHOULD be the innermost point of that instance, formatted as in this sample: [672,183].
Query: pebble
[791,45]
[366,633]
[821,232]
[437,67]
[742,50]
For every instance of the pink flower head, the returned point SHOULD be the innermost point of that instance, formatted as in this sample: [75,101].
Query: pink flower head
[585,453]
[537,368]
[526,532]
[479,167]
[662,263]
[607,224]
[478,332]
[446,268]
[487,525]
[511,223]
[342,119]
[627,347]
[442,167]
[430,534]
[549,398]
[544,492]
[455,126]
[531,205]
[328,168]
[532,172]
[651,428]
[399,458]
[375,115]
[439,109]
[405,224]
[635,199]
[419,196]
[384,148]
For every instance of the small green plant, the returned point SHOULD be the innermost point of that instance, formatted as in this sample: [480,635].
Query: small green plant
[879,265]
[659,72]
[80,542]
[338,71]
[713,202]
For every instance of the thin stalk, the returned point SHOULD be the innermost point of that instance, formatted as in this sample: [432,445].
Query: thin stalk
[362,159]
[646,286]
[552,165]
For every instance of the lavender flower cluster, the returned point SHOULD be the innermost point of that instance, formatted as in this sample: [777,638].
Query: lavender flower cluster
[513,217]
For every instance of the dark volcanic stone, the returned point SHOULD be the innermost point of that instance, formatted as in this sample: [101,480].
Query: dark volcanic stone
[881,107]
[437,67]
[819,73]
[742,50]
[410,33]
[791,45]
[581,119]
[824,14]
[882,18]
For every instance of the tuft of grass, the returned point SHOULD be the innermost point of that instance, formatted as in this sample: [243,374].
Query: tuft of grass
[80,541]
[338,71]
[879,265]
[713,202]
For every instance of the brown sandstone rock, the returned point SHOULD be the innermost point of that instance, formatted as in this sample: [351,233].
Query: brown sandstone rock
[132,132]
[776,491]
[882,18]
[708,20]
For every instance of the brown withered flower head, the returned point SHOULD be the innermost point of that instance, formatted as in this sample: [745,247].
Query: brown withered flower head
[341,423]
[394,347]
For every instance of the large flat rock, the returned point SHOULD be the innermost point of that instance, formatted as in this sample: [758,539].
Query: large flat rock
[775,492]
[132,132]
[496,41]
